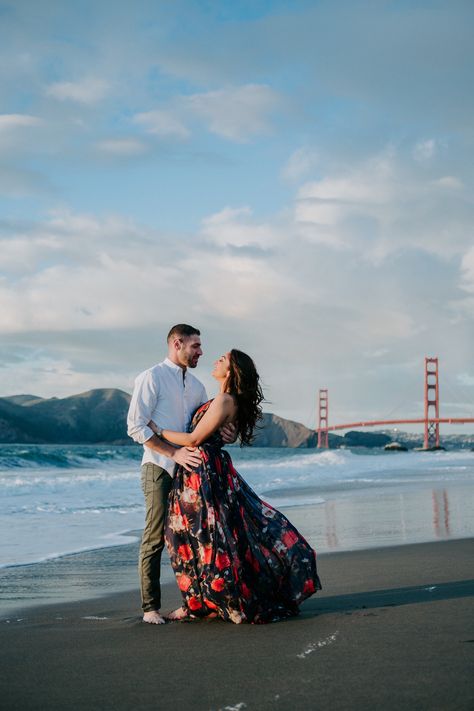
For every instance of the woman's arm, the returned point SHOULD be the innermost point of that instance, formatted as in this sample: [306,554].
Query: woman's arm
[221,410]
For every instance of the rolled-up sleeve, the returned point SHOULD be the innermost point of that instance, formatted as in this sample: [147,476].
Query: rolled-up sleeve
[142,404]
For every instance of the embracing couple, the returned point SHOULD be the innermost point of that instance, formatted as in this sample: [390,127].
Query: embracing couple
[234,556]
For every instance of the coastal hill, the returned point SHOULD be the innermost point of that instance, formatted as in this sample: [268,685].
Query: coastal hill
[99,417]
[92,417]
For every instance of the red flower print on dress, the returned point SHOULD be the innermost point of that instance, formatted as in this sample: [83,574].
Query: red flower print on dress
[210,604]
[184,582]
[190,497]
[185,552]
[222,561]
[289,538]
[309,587]
[205,553]
[194,603]
[177,522]
[218,584]
[194,481]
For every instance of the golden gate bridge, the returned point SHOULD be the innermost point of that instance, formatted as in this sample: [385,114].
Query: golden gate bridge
[431,419]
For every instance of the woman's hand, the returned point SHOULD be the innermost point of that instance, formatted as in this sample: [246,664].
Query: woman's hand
[228,433]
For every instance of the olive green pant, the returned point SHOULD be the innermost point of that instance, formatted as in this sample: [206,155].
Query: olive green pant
[156,485]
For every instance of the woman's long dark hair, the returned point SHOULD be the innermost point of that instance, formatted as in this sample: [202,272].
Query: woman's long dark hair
[244,384]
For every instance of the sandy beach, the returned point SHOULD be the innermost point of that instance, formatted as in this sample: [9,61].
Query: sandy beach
[393,628]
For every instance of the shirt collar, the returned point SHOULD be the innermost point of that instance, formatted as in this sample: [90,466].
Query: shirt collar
[173,366]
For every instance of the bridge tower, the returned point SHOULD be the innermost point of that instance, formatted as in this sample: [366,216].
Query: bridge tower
[323,437]
[431,403]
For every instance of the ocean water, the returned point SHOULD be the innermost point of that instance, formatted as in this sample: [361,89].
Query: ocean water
[56,500]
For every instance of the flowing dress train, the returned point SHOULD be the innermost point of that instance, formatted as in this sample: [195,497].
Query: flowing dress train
[232,553]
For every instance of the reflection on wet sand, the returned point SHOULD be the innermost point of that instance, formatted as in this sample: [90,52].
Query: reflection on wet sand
[441,513]
[331,525]
[374,518]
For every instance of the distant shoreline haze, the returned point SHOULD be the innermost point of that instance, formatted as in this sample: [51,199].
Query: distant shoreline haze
[99,417]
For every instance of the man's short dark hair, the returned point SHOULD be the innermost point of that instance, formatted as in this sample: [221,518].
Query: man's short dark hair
[181,330]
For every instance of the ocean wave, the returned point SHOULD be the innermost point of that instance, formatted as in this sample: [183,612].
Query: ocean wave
[64,456]
[331,458]
[61,509]
[52,479]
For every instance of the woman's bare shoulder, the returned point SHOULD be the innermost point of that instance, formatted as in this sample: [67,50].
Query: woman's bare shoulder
[224,399]
[226,403]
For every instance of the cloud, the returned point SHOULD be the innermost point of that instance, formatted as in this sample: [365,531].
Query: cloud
[89,90]
[299,164]
[163,123]
[449,181]
[235,113]
[384,67]
[424,150]
[231,286]
[122,146]
[235,227]
[383,204]
[467,271]
[19,182]
[10,122]
[77,271]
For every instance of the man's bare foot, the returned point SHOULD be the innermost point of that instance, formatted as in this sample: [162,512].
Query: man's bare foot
[153,617]
[178,614]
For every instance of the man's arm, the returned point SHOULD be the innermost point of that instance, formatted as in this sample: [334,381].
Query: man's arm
[145,395]
[143,401]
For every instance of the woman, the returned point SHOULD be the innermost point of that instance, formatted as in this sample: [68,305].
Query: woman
[234,556]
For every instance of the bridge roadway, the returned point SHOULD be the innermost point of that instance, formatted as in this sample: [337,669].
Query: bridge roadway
[415,421]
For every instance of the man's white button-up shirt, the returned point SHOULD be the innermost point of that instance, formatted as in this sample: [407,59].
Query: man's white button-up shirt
[163,395]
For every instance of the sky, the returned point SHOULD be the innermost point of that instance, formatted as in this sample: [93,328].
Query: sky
[293,178]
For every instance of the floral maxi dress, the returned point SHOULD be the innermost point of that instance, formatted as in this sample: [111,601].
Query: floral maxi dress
[232,553]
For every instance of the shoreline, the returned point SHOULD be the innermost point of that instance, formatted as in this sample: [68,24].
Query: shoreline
[393,628]
[409,551]
[100,571]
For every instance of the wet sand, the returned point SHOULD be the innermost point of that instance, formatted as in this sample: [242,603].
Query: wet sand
[393,628]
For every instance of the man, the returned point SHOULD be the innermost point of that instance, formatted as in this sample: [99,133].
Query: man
[169,395]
